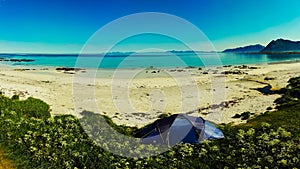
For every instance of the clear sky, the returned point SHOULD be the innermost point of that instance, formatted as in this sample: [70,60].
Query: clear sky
[63,26]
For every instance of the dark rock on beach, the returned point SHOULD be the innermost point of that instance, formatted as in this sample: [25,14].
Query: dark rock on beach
[21,60]
[69,69]
[16,60]
[235,72]
[269,78]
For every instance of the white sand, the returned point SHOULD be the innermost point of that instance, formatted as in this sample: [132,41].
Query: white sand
[137,97]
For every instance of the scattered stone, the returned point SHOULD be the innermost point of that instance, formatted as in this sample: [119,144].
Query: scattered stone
[69,69]
[19,60]
[269,78]
[235,72]
[69,73]
[224,104]
[227,65]
[142,86]
[21,70]
[236,116]
[44,69]
[139,114]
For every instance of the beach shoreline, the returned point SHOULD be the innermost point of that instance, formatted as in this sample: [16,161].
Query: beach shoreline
[153,91]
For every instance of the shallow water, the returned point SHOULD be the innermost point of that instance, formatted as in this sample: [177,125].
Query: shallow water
[159,60]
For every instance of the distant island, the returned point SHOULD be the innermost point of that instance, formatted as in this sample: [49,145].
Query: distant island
[282,45]
[279,46]
[250,48]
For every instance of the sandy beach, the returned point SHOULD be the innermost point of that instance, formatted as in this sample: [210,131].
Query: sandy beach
[136,97]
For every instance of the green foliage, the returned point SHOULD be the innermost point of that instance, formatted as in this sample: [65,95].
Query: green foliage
[36,140]
[288,113]
[243,116]
[30,107]
[94,118]
[15,97]
[294,82]
[60,142]
[164,115]
[291,94]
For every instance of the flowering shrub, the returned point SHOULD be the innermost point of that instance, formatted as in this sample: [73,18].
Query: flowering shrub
[60,142]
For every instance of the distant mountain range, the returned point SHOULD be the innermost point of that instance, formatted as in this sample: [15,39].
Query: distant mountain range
[275,46]
[250,48]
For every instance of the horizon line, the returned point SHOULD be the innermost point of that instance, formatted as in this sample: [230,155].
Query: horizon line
[103,53]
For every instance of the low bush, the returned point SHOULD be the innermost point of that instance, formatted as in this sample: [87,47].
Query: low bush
[30,107]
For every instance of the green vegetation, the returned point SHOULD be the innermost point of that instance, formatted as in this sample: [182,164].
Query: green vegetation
[30,107]
[243,116]
[163,115]
[288,113]
[32,139]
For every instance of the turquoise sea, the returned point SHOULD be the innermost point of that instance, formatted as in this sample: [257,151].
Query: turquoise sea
[159,60]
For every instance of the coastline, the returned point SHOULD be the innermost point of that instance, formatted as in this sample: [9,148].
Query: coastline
[56,88]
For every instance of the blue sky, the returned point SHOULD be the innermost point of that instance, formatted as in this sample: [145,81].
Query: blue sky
[64,26]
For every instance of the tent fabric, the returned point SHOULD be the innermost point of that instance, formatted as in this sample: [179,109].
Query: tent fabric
[211,132]
[179,128]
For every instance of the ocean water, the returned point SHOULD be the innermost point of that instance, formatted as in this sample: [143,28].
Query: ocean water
[159,60]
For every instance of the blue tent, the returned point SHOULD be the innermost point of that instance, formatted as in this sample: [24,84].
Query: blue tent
[178,128]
